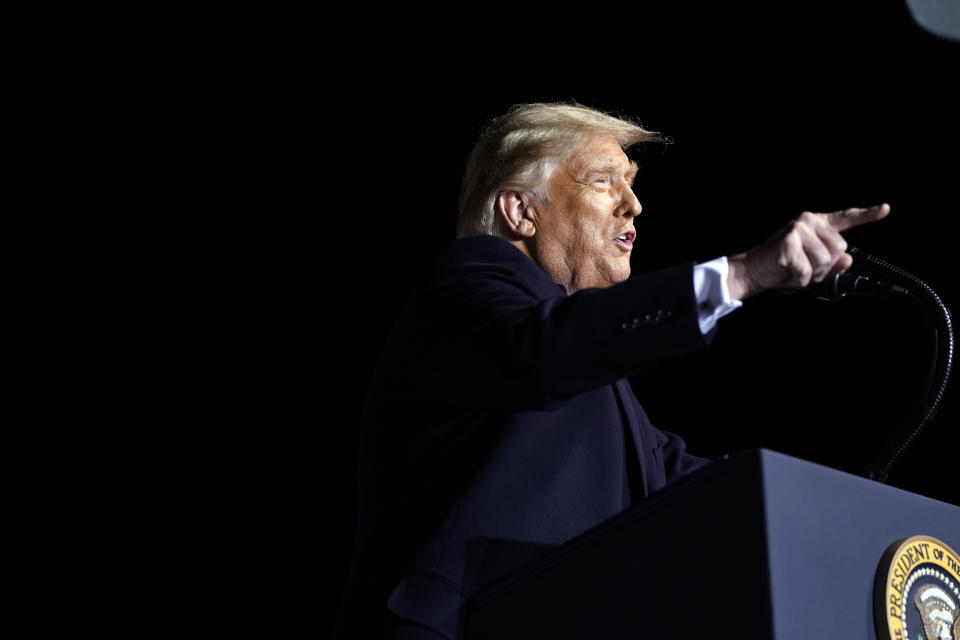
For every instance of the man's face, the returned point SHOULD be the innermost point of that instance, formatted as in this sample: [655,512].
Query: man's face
[584,232]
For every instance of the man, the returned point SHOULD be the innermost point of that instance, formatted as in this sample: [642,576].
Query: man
[501,423]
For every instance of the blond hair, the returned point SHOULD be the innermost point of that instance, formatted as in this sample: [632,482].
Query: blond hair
[519,150]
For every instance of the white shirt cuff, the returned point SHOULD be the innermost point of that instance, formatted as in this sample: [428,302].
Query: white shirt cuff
[710,289]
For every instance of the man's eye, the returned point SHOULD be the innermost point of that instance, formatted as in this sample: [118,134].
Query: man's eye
[602,180]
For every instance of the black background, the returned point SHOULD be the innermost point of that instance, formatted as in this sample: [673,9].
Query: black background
[231,217]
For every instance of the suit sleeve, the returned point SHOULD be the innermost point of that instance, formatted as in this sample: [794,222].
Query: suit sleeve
[498,318]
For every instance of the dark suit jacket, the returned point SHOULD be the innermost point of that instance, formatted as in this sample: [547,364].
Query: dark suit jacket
[501,424]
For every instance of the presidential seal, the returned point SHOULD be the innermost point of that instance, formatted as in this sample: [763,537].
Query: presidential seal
[917,591]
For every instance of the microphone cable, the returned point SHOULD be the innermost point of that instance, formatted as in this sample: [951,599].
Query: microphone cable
[938,318]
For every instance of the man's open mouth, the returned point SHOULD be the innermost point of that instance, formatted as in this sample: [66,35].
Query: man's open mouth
[625,239]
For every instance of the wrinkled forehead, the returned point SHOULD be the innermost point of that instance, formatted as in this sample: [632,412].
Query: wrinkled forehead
[600,153]
[602,149]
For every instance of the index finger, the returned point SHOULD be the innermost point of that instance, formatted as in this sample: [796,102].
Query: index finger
[850,218]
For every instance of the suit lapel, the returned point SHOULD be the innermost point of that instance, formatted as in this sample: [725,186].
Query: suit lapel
[634,444]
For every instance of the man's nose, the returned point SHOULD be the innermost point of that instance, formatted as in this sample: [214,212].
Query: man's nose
[630,205]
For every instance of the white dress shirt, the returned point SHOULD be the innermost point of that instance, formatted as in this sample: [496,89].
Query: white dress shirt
[713,297]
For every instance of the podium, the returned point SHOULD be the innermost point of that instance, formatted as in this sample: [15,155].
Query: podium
[758,545]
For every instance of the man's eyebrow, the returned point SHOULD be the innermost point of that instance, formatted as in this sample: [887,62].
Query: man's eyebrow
[612,166]
[608,164]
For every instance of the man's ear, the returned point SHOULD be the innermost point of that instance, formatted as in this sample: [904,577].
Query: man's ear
[514,209]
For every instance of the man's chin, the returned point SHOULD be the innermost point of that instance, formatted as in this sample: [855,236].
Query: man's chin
[615,278]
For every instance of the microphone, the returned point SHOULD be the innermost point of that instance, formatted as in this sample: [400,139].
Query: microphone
[844,284]
[941,331]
